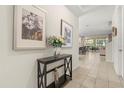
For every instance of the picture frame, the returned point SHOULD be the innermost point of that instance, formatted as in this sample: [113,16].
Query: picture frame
[29,27]
[67,33]
[114,31]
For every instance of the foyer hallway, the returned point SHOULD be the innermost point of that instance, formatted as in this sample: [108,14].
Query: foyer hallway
[94,72]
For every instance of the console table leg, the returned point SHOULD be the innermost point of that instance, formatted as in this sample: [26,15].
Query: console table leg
[65,68]
[45,76]
[38,74]
[71,67]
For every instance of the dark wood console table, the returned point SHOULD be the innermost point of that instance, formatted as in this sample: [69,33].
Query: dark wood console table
[42,74]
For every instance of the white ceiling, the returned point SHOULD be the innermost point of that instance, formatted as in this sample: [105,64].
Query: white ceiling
[93,19]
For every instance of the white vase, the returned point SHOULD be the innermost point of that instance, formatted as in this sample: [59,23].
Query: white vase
[57,51]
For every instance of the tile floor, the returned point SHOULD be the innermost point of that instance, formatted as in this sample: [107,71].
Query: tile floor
[94,72]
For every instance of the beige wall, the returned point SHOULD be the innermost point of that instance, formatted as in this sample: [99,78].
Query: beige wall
[19,68]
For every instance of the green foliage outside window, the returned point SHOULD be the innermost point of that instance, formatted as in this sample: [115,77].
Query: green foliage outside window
[96,42]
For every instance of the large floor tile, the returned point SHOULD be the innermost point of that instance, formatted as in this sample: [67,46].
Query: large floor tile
[100,83]
[73,84]
[114,84]
[95,72]
[89,82]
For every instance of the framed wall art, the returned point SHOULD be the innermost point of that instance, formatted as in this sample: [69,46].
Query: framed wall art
[29,27]
[66,32]
[114,31]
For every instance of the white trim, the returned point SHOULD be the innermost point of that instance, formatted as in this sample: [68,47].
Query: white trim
[122,43]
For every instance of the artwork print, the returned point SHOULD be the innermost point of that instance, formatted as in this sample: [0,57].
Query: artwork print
[67,35]
[66,32]
[32,26]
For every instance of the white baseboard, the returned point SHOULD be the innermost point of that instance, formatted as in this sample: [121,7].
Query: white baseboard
[75,67]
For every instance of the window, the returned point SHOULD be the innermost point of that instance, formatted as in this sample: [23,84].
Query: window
[101,42]
[89,42]
[96,42]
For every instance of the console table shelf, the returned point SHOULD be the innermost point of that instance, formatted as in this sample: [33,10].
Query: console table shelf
[42,74]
